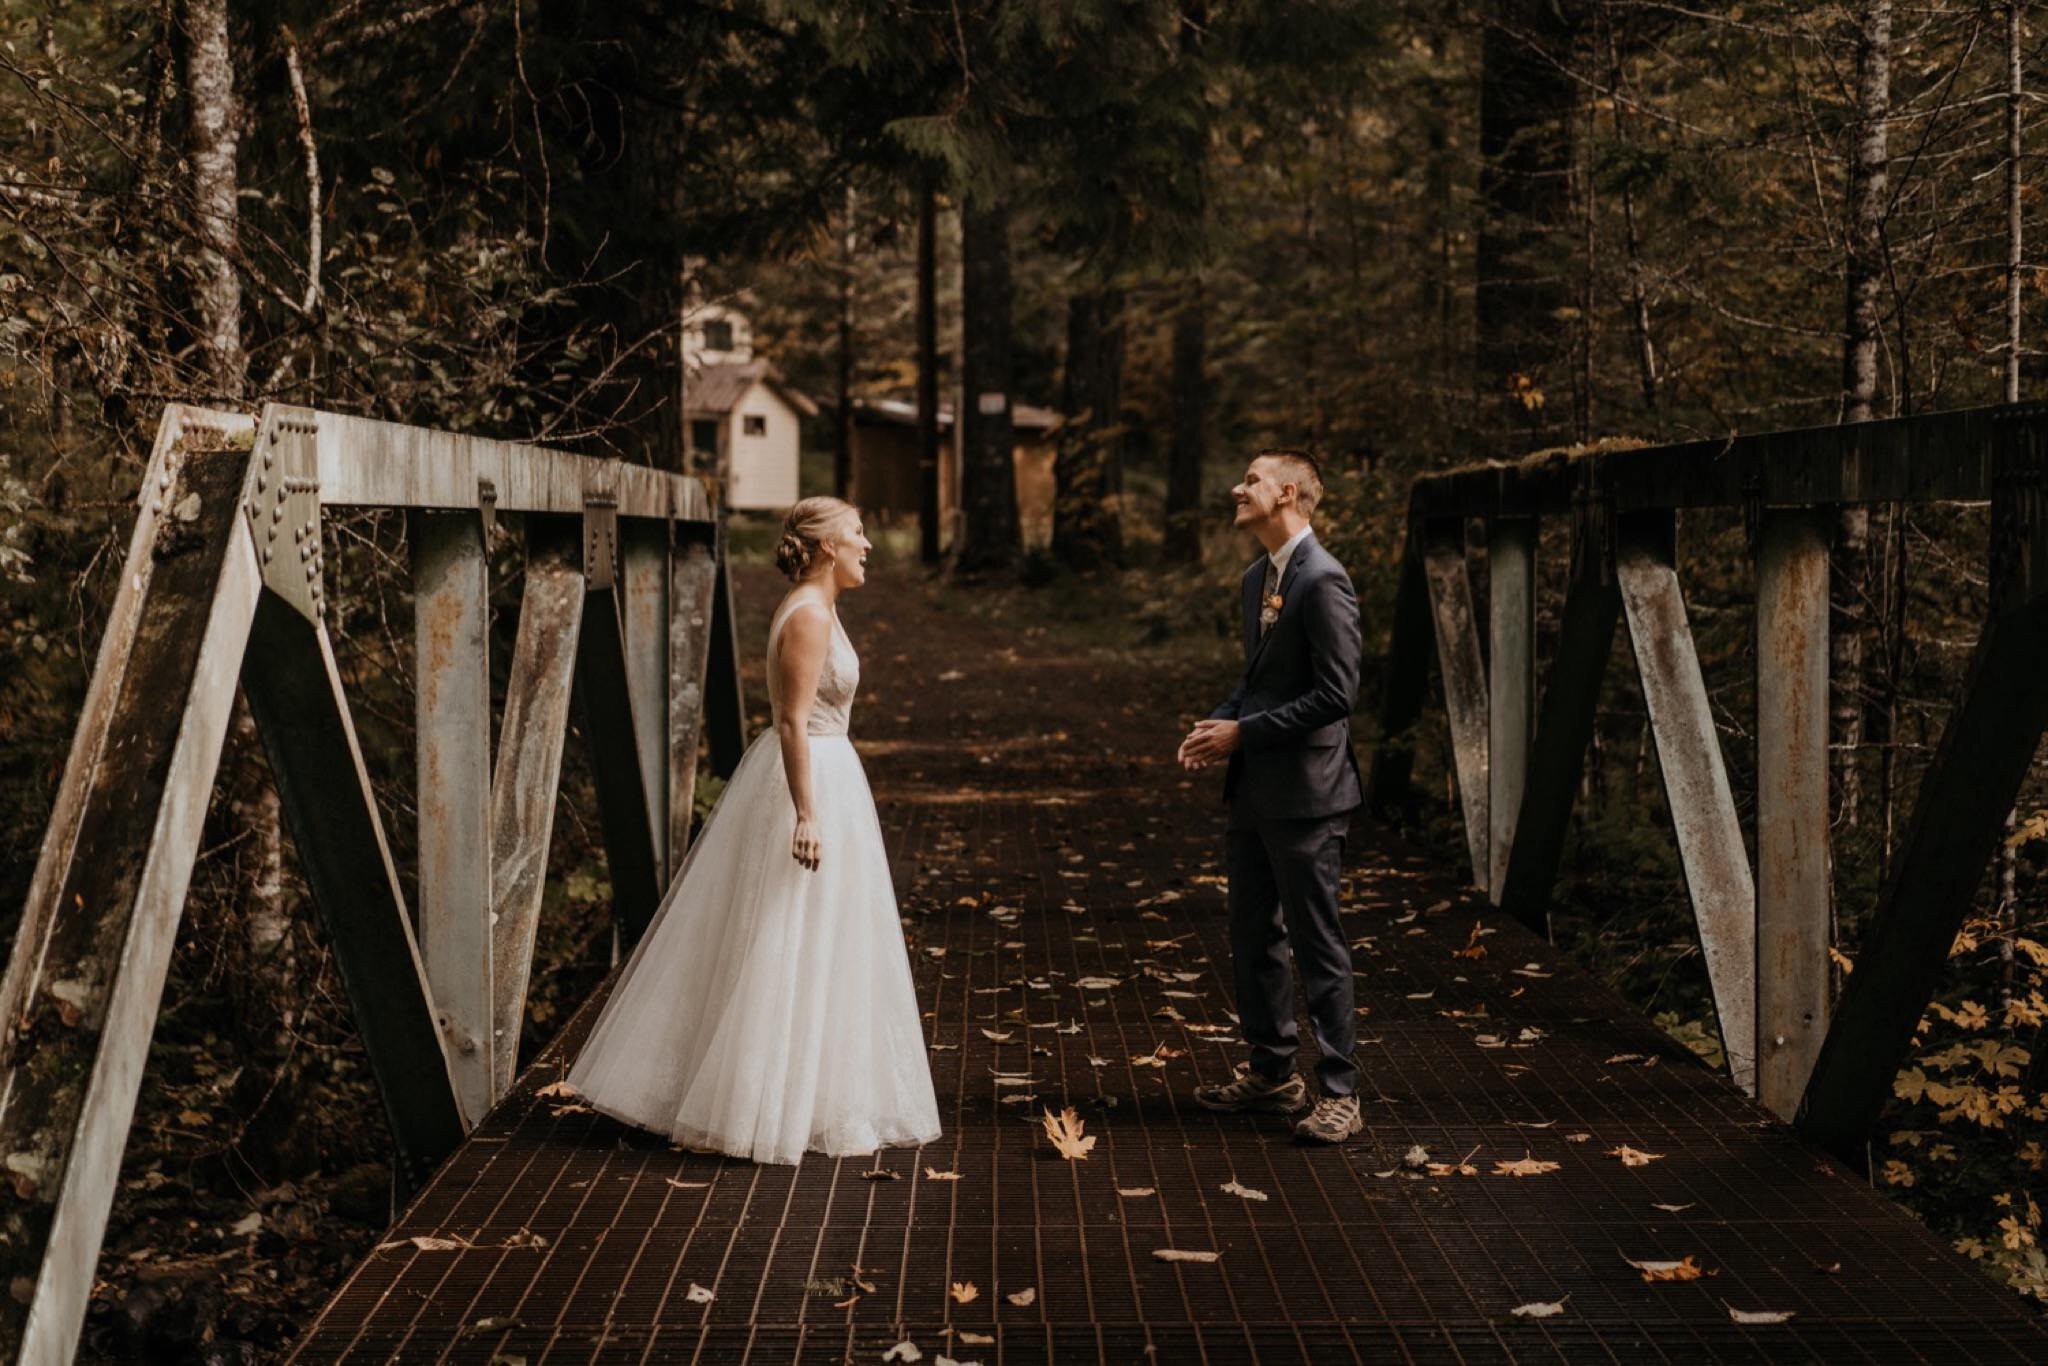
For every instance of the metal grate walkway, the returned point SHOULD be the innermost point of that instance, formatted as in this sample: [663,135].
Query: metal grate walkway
[1012,778]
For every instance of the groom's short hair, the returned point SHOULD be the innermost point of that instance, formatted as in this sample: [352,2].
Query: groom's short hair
[1301,469]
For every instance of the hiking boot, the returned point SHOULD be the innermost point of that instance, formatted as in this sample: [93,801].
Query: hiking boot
[1334,1119]
[1253,1094]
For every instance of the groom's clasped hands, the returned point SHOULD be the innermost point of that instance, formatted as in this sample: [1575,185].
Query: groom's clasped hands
[1211,742]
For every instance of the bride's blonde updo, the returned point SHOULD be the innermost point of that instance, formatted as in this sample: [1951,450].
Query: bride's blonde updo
[806,527]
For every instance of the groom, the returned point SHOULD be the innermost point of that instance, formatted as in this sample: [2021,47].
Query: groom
[1292,785]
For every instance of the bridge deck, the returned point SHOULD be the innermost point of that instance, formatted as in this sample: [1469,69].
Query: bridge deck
[1017,776]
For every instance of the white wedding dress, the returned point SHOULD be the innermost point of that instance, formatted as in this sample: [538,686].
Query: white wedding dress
[769,1010]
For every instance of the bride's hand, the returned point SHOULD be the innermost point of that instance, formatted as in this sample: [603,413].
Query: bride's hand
[803,847]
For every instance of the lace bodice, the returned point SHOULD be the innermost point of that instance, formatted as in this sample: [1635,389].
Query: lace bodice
[838,680]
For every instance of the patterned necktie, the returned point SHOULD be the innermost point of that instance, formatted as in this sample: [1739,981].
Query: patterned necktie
[1266,613]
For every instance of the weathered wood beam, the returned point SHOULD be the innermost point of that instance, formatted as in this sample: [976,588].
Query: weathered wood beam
[1793,873]
[181,432]
[1406,687]
[1978,767]
[1939,457]
[1464,679]
[451,635]
[529,770]
[295,693]
[644,550]
[1564,729]
[1703,817]
[604,696]
[94,945]
[385,464]
[725,708]
[693,583]
[1511,682]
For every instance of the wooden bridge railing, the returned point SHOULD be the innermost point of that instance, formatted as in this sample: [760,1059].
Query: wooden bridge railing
[1764,933]
[625,609]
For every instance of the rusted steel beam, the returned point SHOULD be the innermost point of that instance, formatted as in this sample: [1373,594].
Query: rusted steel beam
[693,582]
[605,709]
[90,957]
[1511,682]
[1978,767]
[1564,729]
[384,464]
[1464,679]
[1710,846]
[1793,877]
[294,691]
[529,770]
[725,707]
[451,630]
[1407,685]
[1940,457]
[643,561]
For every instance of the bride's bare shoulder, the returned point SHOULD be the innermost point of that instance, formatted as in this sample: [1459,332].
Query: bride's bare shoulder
[802,622]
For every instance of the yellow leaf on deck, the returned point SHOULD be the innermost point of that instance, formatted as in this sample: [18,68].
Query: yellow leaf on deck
[1681,1270]
[1633,1157]
[1064,1129]
[965,1292]
[1023,1297]
[1524,1166]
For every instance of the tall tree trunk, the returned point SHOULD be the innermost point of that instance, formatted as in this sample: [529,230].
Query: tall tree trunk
[842,443]
[928,513]
[1184,459]
[1527,102]
[988,479]
[1869,161]
[211,149]
[212,145]
[2015,257]
[1632,240]
[1087,526]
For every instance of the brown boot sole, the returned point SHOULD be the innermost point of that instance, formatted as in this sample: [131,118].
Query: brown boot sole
[1281,1102]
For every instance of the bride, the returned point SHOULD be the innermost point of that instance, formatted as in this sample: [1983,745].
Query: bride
[769,1010]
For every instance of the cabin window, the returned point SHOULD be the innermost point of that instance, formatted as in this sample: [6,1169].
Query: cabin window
[718,336]
[754,424]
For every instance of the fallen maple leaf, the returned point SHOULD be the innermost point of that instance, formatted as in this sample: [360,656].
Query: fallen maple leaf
[1023,1297]
[1633,1157]
[882,1174]
[427,1243]
[557,1088]
[1134,1192]
[699,1295]
[1242,1192]
[965,1292]
[687,1185]
[1757,1315]
[1675,1209]
[934,1174]
[976,1339]
[1473,948]
[1539,1309]
[1681,1270]
[905,1350]
[1175,1254]
[1064,1129]
[995,1037]
[1524,1166]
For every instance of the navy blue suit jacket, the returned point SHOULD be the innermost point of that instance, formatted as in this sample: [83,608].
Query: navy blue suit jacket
[1293,704]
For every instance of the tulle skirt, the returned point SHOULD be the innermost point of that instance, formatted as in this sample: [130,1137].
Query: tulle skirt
[769,1009]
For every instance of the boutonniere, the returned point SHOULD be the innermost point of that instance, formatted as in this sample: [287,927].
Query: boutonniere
[1275,603]
[1269,609]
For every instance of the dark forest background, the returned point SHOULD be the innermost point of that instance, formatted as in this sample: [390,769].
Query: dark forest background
[1411,235]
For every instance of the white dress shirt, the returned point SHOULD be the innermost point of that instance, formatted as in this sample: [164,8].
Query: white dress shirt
[1285,553]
